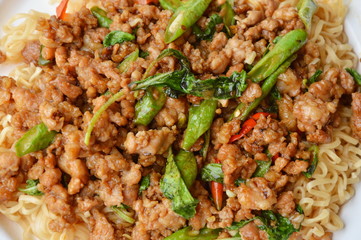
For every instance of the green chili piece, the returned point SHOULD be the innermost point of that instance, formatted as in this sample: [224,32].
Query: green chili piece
[101,15]
[243,110]
[42,61]
[187,165]
[125,64]
[184,17]
[37,138]
[149,106]
[115,37]
[99,113]
[200,120]
[170,4]
[283,49]
[306,9]
[188,234]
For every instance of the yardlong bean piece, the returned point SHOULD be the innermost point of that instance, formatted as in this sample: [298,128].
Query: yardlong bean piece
[188,234]
[243,110]
[125,64]
[37,138]
[306,9]
[187,165]
[283,49]
[101,15]
[184,17]
[149,106]
[200,120]
[170,4]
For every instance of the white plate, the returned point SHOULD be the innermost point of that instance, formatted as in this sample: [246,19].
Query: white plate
[350,213]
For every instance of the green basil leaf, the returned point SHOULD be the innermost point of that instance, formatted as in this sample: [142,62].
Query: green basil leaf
[311,169]
[212,172]
[115,37]
[144,184]
[262,168]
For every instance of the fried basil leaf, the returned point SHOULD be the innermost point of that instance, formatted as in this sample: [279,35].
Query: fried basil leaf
[262,168]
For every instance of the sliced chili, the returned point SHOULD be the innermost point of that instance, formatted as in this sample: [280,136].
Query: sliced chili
[248,125]
[61,10]
[217,191]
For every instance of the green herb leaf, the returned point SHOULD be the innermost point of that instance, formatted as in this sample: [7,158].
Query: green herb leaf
[143,54]
[356,76]
[42,61]
[311,169]
[314,77]
[210,29]
[239,181]
[101,15]
[275,225]
[262,168]
[144,184]
[212,172]
[122,212]
[115,37]
[188,234]
[299,209]
[173,187]
[37,138]
[31,188]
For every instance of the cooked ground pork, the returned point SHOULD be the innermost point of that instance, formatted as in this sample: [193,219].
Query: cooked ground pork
[123,164]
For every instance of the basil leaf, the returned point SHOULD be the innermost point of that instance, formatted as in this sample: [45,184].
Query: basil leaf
[239,181]
[262,168]
[173,187]
[128,60]
[311,169]
[115,37]
[31,188]
[212,172]
[208,33]
[314,77]
[275,225]
[144,184]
